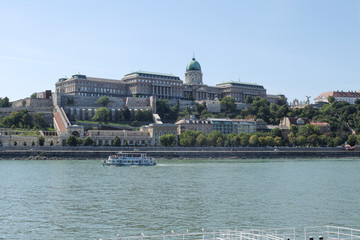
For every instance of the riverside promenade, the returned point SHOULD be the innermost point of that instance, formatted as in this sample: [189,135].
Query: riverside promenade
[53,153]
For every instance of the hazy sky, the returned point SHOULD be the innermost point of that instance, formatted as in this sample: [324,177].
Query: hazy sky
[292,47]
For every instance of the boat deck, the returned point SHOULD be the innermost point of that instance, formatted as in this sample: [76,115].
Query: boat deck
[309,233]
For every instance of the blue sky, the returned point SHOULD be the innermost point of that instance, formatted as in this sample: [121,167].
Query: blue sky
[294,47]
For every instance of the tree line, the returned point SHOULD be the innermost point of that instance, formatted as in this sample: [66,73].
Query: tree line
[24,120]
[304,136]
[340,115]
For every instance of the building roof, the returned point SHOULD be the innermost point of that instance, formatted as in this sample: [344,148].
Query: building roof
[191,121]
[348,94]
[238,84]
[193,65]
[320,123]
[152,74]
[104,80]
[243,120]
[294,120]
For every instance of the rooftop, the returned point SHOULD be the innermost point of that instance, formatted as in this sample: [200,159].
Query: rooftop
[238,83]
[349,94]
[143,73]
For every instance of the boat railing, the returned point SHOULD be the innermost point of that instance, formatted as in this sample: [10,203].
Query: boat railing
[219,235]
[331,233]
[310,233]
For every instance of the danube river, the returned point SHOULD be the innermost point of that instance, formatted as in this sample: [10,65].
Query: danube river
[81,199]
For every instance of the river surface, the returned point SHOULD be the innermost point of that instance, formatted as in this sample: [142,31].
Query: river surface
[81,199]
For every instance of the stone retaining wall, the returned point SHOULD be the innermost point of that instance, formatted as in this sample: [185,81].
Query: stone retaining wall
[88,153]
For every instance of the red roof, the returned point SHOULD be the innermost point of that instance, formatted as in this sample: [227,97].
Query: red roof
[349,94]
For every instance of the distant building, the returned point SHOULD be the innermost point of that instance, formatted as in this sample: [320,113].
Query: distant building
[349,96]
[324,127]
[193,124]
[288,121]
[127,138]
[225,126]
[146,84]
[82,85]
[240,90]
[275,98]
[244,126]
[158,130]
[159,85]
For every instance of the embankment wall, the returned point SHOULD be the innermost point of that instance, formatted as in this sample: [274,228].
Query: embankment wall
[221,153]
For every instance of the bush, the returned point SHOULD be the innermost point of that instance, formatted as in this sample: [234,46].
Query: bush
[79,141]
[71,140]
[88,141]
[41,141]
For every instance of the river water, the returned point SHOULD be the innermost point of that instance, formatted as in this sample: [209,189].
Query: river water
[78,199]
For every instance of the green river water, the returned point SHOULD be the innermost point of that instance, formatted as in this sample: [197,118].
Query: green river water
[81,199]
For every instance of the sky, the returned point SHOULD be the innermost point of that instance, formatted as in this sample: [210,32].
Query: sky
[297,48]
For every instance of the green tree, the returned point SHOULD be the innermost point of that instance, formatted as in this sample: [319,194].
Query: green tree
[292,138]
[103,101]
[117,141]
[139,115]
[244,139]
[228,104]
[24,143]
[188,138]
[220,142]
[167,140]
[249,99]
[253,140]
[33,96]
[147,116]
[338,141]
[201,140]
[278,141]
[126,114]
[294,129]
[308,130]
[313,140]
[4,102]
[213,137]
[331,99]
[79,141]
[262,142]
[71,141]
[162,107]
[41,141]
[301,141]
[102,115]
[39,121]
[88,141]
[276,132]
[351,140]
[269,140]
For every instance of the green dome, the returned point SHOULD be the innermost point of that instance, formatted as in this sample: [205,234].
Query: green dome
[193,65]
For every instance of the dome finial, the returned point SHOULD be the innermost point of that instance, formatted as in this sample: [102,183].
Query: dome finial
[193,56]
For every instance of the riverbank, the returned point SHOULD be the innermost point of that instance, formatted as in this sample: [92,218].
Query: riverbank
[169,153]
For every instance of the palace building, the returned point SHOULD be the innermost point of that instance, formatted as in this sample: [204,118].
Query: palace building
[165,86]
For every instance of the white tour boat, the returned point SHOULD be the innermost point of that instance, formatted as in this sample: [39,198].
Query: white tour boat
[129,159]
